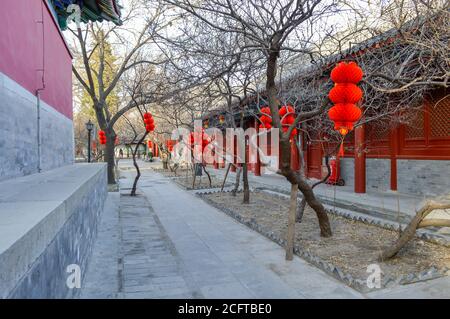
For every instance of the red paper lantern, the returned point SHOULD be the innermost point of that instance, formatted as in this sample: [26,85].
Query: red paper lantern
[149,144]
[344,116]
[147,115]
[205,140]
[102,137]
[150,127]
[265,110]
[285,109]
[345,93]
[346,72]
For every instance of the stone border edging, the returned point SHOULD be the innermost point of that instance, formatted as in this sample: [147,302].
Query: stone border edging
[358,284]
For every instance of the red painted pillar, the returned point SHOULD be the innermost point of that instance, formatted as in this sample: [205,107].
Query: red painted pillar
[233,167]
[393,144]
[224,148]
[360,160]
[257,165]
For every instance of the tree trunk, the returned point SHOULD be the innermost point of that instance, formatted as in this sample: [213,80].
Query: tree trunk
[302,206]
[417,222]
[285,148]
[109,155]
[225,177]
[138,172]
[238,179]
[138,175]
[291,223]
[207,174]
[245,183]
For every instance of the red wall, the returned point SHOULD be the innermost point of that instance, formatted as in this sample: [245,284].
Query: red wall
[26,46]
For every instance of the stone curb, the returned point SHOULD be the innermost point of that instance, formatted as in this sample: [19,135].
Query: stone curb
[358,284]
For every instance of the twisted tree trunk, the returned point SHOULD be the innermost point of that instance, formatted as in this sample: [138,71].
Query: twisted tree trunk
[417,222]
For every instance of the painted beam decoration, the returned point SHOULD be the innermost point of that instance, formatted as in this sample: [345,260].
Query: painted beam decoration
[90,10]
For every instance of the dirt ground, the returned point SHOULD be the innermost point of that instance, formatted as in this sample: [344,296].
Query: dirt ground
[353,246]
[200,181]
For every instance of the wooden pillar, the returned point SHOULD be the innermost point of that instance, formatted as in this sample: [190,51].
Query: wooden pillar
[393,145]
[360,160]
[233,167]
[257,165]
[224,147]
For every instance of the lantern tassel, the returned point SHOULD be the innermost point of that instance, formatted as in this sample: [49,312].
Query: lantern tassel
[341,150]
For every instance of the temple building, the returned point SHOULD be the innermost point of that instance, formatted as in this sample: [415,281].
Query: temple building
[411,157]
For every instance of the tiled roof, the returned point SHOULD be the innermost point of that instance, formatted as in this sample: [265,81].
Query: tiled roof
[91,10]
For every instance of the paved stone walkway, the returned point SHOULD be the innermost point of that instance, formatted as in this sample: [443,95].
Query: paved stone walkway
[168,243]
[180,247]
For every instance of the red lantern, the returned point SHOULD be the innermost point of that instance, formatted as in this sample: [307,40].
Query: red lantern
[265,110]
[345,93]
[344,116]
[346,72]
[149,122]
[285,109]
[102,137]
[149,144]
[205,140]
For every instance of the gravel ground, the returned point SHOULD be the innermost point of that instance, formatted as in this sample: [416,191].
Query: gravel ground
[352,248]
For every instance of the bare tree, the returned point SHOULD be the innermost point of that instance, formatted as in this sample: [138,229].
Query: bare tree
[134,44]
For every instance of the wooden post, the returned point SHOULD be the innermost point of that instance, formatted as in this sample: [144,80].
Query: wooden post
[393,145]
[360,160]
[233,167]
[291,223]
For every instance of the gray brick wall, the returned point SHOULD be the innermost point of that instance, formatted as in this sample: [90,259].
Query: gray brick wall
[72,244]
[422,177]
[18,133]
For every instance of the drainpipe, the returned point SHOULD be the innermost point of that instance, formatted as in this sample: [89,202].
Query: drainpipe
[38,130]
[38,97]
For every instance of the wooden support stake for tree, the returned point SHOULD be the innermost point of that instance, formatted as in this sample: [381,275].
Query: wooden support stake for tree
[225,177]
[291,223]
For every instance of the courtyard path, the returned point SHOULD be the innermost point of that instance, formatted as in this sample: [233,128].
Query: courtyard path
[171,244]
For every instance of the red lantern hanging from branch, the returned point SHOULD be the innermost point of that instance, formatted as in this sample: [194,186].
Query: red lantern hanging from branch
[346,72]
[345,94]
[265,118]
[149,144]
[344,117]
[102,137]
[199,136]
[149,122]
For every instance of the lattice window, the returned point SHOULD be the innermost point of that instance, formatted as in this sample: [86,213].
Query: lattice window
[414,129]
[377,132]
[440,117]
